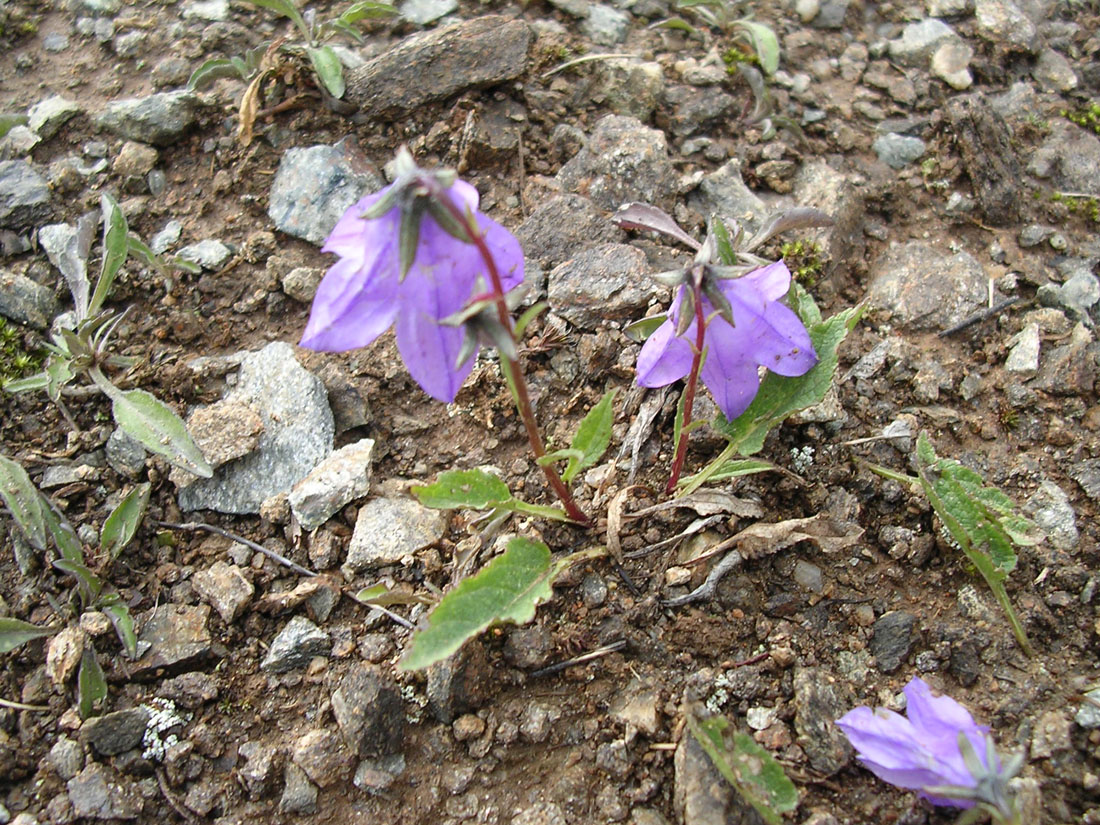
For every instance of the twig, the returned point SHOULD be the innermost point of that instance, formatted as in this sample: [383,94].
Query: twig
[162,781]
[978,317]
[259,548]
[550,670]
[577,61]
[8,703]
[401,620]
[707,589]
[629,582]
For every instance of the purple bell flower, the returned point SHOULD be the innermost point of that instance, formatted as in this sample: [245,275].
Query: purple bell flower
[765,333]
[364,292]
[937,750]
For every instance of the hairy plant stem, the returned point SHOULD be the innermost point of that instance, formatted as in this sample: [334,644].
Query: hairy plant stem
[510,366]
[689,392]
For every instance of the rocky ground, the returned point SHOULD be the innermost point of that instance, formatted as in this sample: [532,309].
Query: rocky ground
[951,142]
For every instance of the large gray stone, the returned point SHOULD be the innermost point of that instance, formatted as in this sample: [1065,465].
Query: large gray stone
[160,119]
[624,160]
[298,433]
[177,640]
[1050,508]
[97,792]
[226,589]
[50,114]
[315,185]
[919,41]
[24,195]
[1069,158]
[26,301]
[924,289]
[295,645]
[723,193]
[439,64]
[368,708]
[387,529]
[562,226]
[898,151]
[1003,24]
[628,87]
[114,733]
[606,282]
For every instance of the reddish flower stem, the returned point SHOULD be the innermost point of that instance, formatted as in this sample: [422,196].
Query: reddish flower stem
[515,374]
[689,393]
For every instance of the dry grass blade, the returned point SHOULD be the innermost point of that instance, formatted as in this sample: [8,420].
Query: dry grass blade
[615,521]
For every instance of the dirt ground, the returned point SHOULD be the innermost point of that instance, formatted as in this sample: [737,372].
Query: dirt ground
[595,741]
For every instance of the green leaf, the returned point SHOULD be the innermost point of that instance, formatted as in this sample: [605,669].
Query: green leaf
[507,589]
[742,467]
[213,69]
[677,23]
[286,9]
[592,436]
[367,10]
[781,397]
[475,489]
[24,502]
[119,614]
[727,255]
[527,317]
[328,68]
[9,122]
[88,583]
[751,769]
[115,248]
[91,683]
[640,330]
[142,251]
[764,43]
[63,534]
[122,524]
[141,415]
[804,305]
[38,381]
[14,633]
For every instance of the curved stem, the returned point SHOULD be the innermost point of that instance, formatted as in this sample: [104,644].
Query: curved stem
[510,366]
[689,392]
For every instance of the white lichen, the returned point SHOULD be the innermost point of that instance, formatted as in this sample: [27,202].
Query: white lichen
[163,716]
[802,458]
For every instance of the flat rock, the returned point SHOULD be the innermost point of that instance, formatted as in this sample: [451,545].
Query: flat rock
[298,433]
[1023,357]
[299,794]
[623,160]
[605,25]
[605,282]
[988,152]
[559,228]
[368,708]
[48,115]
[66,757]
[898,151]
[26,301]
[892,639]
[209,253]
[423,12]
[1049,507]
[924,289]
[341,478]
[693,108]
[819,698]
[1005,25]
[97,792]
[1069,158]
[920,40]
[723,193]
[223,431]
[225,588]
[178,640]
[295,645]
[160,119]
[439,64]
[315,185]
[1087,474]
[388,529]
[1069,369]
[24,195]
[321,754]
[630,88]
[114,733]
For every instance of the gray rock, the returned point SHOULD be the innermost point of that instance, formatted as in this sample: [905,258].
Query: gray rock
[167,237]
[540,813]
[892,639]
[701,796]
[1076,296]
[257,774]
[609,281]
[423,12]
[951,64]
[315,185]
[949,8]
[212,10]
[135,159]
[925,289]
[1071,368]
[349,408]
[460,683]
[639,705]
[18,142]
[66,757]
[387,529]
[605,25]
[1033,234]
[1052,734]
[439,64]
[301,283]
[376,775]
[1087,474]
[299,794]
[125,454]
[831,14]
[295,645]
[129,44]
[1053,72]
[26,301]
[47,116]
[1024,355]
[898,151]
[562,226]
[527,648]
[724,193]
[987,148]
[919,41]
[1049,507]
[694,108]
[593,590]
[819,185]
[321,754]
[298,433]
[577,8]
[225,588]
[176,639]
[341,478]
[114,733]
[819,698]
[97,792]
[368,709]
[1004,25]
[629,88]
[24,195]
[623,161]
[1069,158]
[189,690]
[55,42]
[170,71]
[160,119]
[1088,715]
[209,253]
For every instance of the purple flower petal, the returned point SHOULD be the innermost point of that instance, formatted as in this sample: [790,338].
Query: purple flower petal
[772,280]
[887,745]
[729,370]
[348,312]
[664,358]
[771,334]
[429,351]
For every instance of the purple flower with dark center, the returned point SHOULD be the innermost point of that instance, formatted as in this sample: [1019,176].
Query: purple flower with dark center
[938,750]
[764,333]
[365,292]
